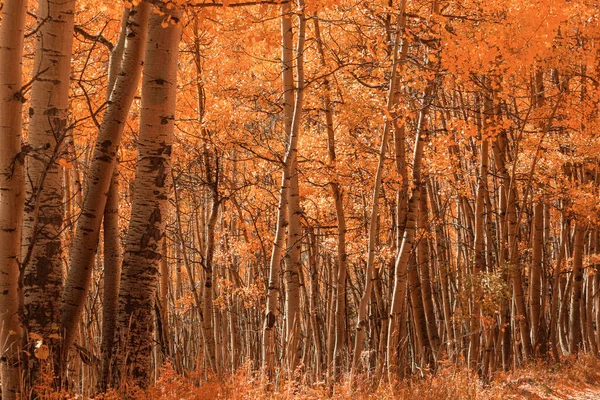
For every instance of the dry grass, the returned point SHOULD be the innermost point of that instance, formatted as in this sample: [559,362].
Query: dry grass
[574,378]
[571,379]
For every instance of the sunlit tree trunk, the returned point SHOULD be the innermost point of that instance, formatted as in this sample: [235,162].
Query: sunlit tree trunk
[12,192]
[397,306]
[112,247]
[149,214]
[479,262]
[535,296]
[575,341]
[100,174]
[42,253]
[274,287]
[293,262]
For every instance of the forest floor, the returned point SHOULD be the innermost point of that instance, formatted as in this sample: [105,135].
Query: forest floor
[571,379]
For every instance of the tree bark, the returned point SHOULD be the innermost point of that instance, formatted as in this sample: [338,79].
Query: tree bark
[100,175]
[293,262]
[575,341]
[42,252]
[112,246]
[12,192]
[143,246]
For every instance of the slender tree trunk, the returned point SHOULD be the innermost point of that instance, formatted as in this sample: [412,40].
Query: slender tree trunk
[112,279]
[535,296]
[479,264]
[208,289]
[112,246]
[397,307]
[575,340]
[12,193]
[274,288]
[564,236]
[342,267]
[149,214]
[425,276]
[293,262]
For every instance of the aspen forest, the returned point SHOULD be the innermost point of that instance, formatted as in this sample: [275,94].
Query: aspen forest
[289,199]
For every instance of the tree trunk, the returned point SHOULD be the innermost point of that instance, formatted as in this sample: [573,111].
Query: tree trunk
[149,214]
[535,296]
[12,192]
[42,253]
[337,193]
[112,246]
[479,264]
[575,312]
[100,175]
[268,345]
[423,262]
[293,262]
[397,307]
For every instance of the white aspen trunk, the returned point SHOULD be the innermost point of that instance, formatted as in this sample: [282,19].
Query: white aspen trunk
[112,247]
[42,248]
[143,246]
[575,340]
[293,263]
[479,262]
[12,193]
[268,345]
[535,292]
[397,306]
[100,175]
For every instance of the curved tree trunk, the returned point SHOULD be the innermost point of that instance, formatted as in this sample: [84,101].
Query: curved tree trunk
[100,175]
[112,247]
[12,191]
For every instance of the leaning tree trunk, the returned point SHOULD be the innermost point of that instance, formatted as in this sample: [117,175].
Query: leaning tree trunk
[397,306]
[42,253]
[112,247]
[149,213]
[100,175]
[12,185]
